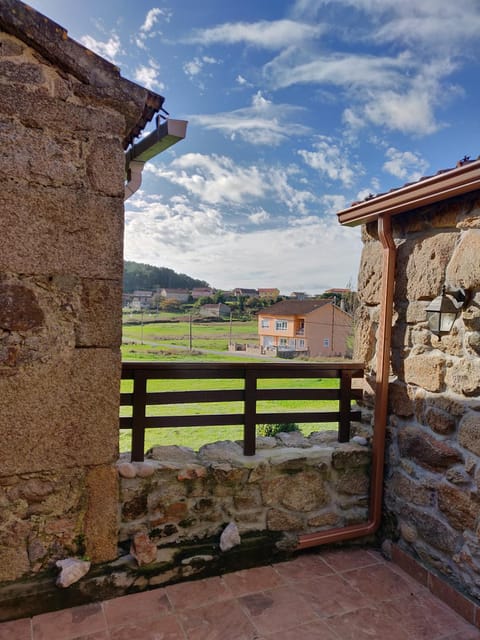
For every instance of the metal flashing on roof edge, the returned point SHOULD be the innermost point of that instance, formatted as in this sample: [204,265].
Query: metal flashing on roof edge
[443,185]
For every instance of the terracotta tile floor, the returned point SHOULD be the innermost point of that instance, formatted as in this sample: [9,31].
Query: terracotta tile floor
[323,595]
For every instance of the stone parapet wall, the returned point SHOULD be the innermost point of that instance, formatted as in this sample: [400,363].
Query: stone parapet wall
[432,499]
[292,485]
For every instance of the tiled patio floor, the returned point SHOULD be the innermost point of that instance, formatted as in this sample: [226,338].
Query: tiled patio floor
[324,595]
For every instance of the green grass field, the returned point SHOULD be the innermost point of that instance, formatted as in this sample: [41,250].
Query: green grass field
[168,342]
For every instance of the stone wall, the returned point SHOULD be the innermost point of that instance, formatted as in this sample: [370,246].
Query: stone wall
[292,485]
[432,499]
[64,114]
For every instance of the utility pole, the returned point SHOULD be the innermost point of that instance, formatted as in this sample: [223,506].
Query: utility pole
[190,333]
[230,339]
[141,329]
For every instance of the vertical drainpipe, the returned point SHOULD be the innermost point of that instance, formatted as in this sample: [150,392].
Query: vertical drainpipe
[381,402]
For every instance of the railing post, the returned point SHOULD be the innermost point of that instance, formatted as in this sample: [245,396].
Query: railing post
[250,409]
[344,406]
[138,415]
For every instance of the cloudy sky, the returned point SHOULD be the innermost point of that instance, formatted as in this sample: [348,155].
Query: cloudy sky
[296,108]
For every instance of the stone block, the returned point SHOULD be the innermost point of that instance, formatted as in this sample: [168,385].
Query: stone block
[439,421]
[327,519]
[72,232]
[464,268]
[365,328]
[61,413]
[106,166]
[469,432]
[101,517]
[458,507]
[21,73]
[304,491]
[37,110]
[435,532]
[278,520]
[426,370]
[352,482]
[400,402]
[411,490]
[463,377]
[173,453]
[421,264]
[350,455]
[54,160]
[426,450]
[10,46]
[370,274]
[100,314]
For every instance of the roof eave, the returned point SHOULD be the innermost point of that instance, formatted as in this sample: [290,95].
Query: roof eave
[441,186]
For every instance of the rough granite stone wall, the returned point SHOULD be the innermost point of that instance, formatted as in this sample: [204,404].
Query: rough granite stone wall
[432,498]
[61,234]
[292,485]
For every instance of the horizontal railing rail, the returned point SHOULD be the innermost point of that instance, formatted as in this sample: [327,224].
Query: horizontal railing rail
[140,399]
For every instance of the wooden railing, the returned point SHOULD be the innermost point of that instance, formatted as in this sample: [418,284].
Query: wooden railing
[140,398]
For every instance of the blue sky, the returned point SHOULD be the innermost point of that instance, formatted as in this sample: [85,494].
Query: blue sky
[296,108]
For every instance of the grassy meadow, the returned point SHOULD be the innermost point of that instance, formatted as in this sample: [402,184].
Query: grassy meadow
[169,342]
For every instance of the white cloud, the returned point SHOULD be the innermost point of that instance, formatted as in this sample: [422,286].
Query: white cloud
[194,67]
[213,179]
[220,180]
[259,217]
[109,49]
[310,254]
[263,123]
[276,34]
[147,76]
[334,203]
[434,25]
[352,71]
[331,160]
[151,19]
[406,165]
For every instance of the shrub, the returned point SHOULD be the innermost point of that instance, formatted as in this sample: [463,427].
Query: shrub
[273,429]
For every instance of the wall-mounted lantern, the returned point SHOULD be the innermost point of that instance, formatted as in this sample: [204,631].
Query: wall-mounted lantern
[443,310]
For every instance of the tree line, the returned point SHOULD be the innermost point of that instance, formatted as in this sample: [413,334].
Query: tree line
[138,276]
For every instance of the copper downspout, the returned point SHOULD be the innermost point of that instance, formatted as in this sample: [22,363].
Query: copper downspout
[381,403]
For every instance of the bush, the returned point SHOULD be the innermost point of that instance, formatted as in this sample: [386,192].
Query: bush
[273,429]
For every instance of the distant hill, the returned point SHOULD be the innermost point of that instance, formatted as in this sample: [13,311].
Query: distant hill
[138,276]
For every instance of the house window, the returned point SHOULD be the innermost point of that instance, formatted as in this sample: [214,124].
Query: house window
[301,344]
[265,324]
[282,342]
[326,342]
[281,325]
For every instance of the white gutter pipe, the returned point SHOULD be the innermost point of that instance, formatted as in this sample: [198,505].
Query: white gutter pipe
[165,135]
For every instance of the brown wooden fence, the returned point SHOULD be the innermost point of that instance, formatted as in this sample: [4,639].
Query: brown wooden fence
[139,399]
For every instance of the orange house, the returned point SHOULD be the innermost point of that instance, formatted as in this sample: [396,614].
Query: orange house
[309,327]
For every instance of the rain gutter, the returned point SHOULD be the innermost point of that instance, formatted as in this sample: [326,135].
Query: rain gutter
[166,134]
[465,178]
[381,403]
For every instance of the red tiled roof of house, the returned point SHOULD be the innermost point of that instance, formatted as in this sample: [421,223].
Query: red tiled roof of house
[294,307]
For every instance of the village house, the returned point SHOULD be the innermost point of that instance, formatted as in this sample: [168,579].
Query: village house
[271,293]
[215,310]
[202,292]
[240,292]
[308,327]
[181,295]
